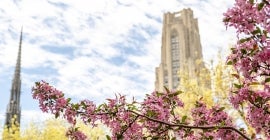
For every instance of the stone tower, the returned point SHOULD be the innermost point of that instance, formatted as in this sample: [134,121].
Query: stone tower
[13,108]
[180,49]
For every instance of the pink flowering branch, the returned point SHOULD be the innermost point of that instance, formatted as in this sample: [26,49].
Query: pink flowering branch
[251,60]
[193,127]
[156,115]
[171,125]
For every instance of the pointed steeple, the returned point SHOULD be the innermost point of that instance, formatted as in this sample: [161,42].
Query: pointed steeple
[13,108]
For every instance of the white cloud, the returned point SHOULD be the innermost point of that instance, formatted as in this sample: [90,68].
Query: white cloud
[35,116]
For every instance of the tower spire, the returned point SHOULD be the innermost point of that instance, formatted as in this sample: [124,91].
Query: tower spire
[13,108]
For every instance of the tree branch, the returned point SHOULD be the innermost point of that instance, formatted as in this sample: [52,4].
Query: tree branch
[193,127]
[129,125]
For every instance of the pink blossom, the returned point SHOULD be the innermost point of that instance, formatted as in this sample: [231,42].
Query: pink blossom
[70,115]
[75,134]
[251,59]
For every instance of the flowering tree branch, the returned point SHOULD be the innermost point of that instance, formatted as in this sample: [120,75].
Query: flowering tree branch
[157,116]
[251,59]
[193,127]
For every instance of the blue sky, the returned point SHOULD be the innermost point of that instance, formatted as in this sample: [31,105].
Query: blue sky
[94,49]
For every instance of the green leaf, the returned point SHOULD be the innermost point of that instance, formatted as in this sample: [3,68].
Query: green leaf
[221,109]
[172,112]
[89,120]
[159,126]
[236,76]
[57,115]
[222,123]
[159,94]
[75,106]
[267,80]
[242,40]
[37,83]
[155,138]
[179,92]
[174,138]
[83,104]
[260,6]
[255,83]
[253,51]
[119,137]
[237,86]
[229,63]
[265,32]
[68,100]
[150,113]
[167,90]
[232,49]
[175,94]
[258,30]
[251,1]
[108,137]
[242,129]
[184,119]
[243,51]
[259,100]
[227,19]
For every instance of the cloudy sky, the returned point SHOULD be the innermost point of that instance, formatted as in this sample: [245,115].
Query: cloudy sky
[96,48]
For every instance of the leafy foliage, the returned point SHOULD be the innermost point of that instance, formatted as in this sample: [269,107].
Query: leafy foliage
[12,132]
[51,129]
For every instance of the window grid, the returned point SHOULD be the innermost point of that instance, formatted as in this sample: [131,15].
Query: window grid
[175,60]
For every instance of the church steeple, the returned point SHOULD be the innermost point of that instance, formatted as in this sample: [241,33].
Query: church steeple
[13,108]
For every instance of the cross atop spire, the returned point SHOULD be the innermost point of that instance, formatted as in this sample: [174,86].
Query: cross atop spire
[13,108]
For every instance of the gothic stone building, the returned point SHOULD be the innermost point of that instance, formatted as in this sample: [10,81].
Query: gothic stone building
[180,48]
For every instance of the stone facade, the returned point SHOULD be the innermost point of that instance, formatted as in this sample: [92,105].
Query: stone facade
[180,49]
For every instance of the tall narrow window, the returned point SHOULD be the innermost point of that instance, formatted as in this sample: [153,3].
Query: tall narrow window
[166,78]
[188,46]
[175,58]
